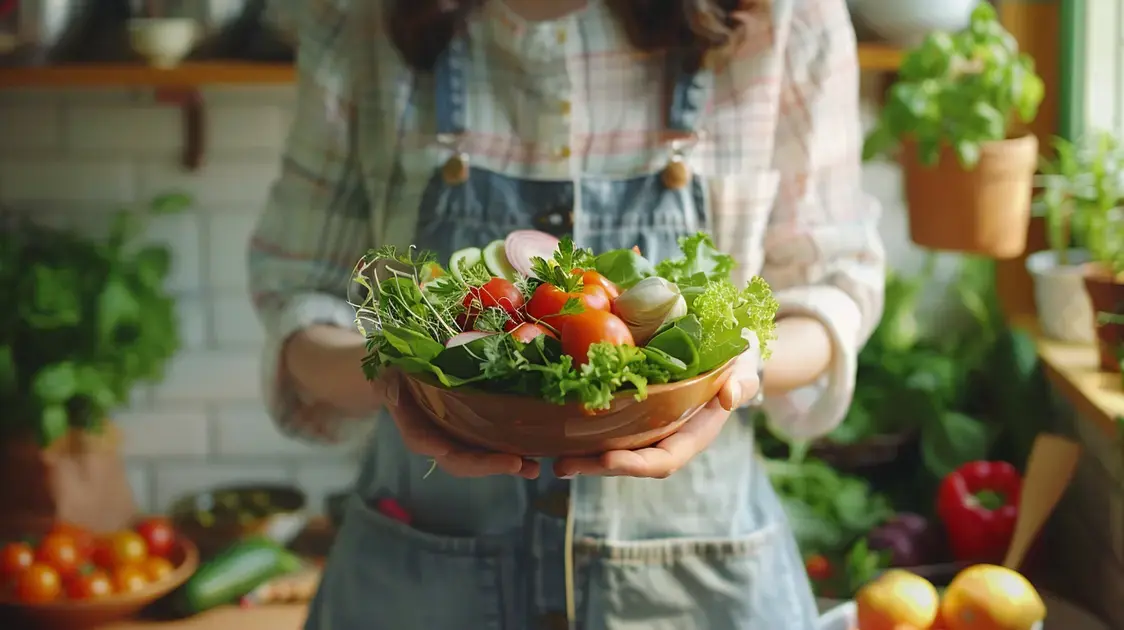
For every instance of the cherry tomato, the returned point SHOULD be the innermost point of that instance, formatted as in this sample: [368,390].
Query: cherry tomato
[158,534]
[527,332]
[496,293]
[592,278]
[61,552]
[582,330]
[89,585]
[14,559]
[83,539]
[121,549]
[548,300]
[38,584]
[156,568]
[818,567]
[128,579]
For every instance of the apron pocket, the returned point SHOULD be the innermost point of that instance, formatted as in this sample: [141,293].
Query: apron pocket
[385,574]
[702,584]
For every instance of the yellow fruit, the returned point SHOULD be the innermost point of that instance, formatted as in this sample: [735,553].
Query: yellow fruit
[988,597]
[898,600]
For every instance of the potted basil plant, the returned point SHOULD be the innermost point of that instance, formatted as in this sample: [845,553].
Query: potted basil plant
[1104,280]
[1075,184]
[959,113]
[88,319]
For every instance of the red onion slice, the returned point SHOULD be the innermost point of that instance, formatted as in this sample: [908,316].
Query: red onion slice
[524,245]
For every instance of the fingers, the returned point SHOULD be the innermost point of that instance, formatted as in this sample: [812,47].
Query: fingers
[422,437]
[658,461]
[741,386]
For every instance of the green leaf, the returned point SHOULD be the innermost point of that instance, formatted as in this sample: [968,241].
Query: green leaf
[412,343]
[53,424]
[55,384]
[117,307]
[624,267]
[170,203]
[676,343]
[9,376]
[951,440]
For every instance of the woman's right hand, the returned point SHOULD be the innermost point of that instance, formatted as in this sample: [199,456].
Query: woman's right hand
[423,437]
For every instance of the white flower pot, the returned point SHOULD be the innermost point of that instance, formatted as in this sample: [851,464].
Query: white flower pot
[1064,309]
[907,22]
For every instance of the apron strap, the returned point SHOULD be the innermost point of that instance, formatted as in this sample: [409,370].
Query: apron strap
[690,91]
[451,87]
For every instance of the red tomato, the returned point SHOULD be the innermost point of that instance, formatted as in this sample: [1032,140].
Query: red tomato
[91,585]
[527,333]
[14,559]
[83,539]
[128,579]
[582,330]
[121,549]
[548,300]
[156,569]
[38,584]
[496,293]
[592,278]
[60,552]
[158,534]
[818,567]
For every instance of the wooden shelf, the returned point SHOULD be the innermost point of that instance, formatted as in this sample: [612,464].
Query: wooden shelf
[1073,370]
[879,57]
[124,75]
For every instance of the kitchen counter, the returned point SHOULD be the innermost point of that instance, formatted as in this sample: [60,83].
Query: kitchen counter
[277,617]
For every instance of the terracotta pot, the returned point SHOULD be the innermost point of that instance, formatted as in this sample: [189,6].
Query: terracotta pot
[1106,291]
[80,479]
[984,211]
[532,427]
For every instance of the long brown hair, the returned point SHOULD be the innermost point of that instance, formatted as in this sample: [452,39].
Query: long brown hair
[422,29]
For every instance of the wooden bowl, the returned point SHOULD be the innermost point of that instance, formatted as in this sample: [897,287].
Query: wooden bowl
[80,614]
[532,427]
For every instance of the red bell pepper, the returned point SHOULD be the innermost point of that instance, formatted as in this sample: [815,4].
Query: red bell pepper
[978,504]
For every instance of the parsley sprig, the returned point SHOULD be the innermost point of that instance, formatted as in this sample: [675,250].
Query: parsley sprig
[559,270]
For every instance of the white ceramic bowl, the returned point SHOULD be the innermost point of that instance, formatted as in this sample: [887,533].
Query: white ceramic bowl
[907,22]
[164,42]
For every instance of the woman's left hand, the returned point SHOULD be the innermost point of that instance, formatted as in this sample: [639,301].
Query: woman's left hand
[672,453]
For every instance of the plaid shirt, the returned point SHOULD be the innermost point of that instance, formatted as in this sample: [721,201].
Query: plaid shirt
[779,145]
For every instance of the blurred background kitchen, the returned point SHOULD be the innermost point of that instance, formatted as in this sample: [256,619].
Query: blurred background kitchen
[177,112]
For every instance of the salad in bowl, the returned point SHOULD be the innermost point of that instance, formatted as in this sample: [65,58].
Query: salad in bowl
[533,346]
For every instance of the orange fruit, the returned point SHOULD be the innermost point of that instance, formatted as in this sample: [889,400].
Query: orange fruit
[989,597]
[897,600]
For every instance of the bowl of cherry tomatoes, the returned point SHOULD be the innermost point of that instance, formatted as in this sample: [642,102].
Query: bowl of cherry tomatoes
[70,578]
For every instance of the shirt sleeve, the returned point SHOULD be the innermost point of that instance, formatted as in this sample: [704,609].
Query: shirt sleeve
[823,254]
[316,223]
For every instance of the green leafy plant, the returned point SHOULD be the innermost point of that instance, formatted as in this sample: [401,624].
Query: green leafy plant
[960,90]
[1081,187]
[86,321]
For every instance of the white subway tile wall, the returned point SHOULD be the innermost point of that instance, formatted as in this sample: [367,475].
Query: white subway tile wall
[70,157]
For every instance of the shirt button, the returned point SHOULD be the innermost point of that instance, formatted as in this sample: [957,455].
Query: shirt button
[563,152]
[561,36]
[556,504]
[565,107]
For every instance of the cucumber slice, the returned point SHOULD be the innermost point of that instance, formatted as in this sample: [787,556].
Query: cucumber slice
[495,259]
[467,257]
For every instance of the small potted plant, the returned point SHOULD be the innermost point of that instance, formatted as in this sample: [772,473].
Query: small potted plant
[1075,184]
[87,320]
[1104,280]
[959,112]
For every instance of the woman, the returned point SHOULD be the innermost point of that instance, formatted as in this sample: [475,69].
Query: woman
[624,122]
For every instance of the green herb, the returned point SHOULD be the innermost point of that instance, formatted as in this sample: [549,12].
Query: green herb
[1082,185]
[87,320]
[559,270]
[959,90]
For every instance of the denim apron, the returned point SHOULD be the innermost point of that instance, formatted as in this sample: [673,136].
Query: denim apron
[706,549]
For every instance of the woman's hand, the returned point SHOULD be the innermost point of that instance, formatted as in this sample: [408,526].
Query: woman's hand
[672,453]
[424,438]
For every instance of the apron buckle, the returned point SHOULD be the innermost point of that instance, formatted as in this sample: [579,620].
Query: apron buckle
[455,170]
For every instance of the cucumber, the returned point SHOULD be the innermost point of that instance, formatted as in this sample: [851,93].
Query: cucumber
[234,573]
[495,259]
[467,257]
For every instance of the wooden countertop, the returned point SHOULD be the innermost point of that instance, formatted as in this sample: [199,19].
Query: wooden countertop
[1073,370]
[277,617]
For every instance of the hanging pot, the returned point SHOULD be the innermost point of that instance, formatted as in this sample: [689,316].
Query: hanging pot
[1065,311]
[984,210]
[907,22]
[1106,292]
